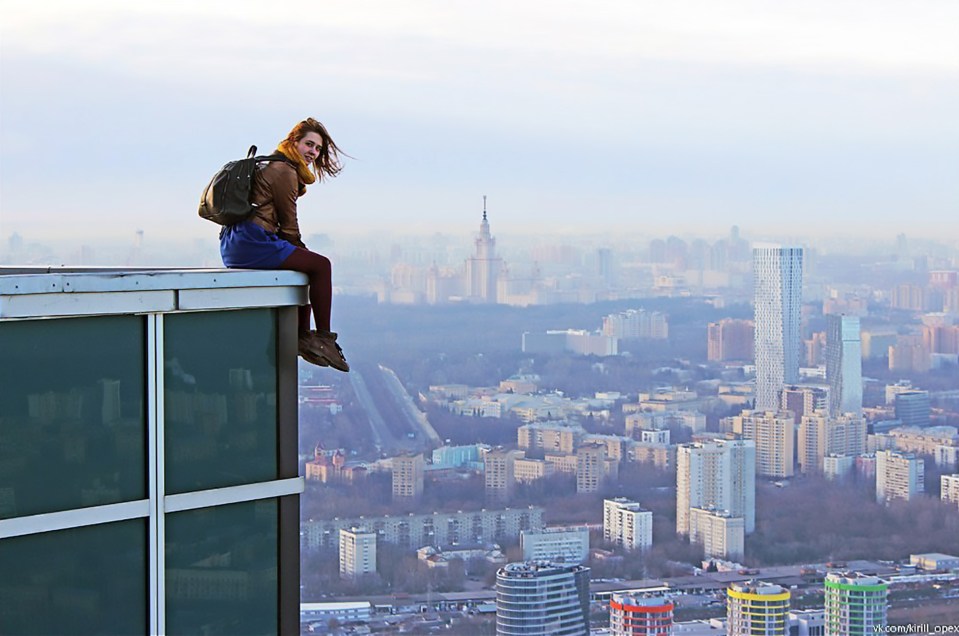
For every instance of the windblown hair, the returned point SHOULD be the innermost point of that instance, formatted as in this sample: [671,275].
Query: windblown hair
[327,164]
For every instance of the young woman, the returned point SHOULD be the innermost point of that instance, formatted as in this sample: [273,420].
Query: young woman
[270,239]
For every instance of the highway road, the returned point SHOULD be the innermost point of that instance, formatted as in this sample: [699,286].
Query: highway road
[382,436]
[416,418]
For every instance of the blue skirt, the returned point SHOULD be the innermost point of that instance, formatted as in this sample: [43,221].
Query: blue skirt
[246,245]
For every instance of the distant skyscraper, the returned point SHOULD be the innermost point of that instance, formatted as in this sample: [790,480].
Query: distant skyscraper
[540,598]
[635,615]
[483,267]
[604,265]
[756,609]
[777,299]
[718,474]
[855,604]
[844,364]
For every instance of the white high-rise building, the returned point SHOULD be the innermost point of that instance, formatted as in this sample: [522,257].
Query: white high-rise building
[777,300]
[718,474]
[627,524]
[835,466]
[774,434]
[721,534]
[844,364]
[357,552]
[821,436]
[898,476]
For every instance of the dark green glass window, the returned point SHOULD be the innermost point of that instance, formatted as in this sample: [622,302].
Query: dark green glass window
[90,580]
[72,413]
[220,379]
[221,570]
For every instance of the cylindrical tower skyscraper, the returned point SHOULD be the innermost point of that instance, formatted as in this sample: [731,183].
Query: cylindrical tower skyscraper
[540,598]
[756,609]
[855,604]
[635,615]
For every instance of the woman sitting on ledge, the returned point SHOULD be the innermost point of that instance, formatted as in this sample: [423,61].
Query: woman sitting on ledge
[270,239]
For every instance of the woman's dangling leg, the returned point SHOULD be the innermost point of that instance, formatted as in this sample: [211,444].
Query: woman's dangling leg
[320,271]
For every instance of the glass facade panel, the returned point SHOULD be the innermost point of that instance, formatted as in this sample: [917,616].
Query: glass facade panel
[221,570]
[90,580]
[220,386]
[72,413]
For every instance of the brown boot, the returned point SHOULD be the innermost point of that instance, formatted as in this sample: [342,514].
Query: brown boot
[305,348]
[323,343]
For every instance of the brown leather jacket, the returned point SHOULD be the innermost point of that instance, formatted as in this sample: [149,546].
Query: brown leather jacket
[276,188]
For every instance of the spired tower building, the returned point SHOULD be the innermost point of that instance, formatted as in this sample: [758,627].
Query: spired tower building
[482,269]
[777,300]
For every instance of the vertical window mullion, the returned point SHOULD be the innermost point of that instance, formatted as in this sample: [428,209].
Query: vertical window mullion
[156,474]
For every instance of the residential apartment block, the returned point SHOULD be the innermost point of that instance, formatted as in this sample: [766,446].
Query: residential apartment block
[898,476]
[357,552]
[721,534]
[408,471]
[413,531]
[626,523]
[567,545]
[718,474]
[774,435]
[949,488]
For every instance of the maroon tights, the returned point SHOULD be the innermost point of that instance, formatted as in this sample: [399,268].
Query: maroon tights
[320,271]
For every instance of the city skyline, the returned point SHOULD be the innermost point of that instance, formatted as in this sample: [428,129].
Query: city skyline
[576,405]
[793,118]
[704,342]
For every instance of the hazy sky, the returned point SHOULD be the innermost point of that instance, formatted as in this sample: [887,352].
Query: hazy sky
[679,116]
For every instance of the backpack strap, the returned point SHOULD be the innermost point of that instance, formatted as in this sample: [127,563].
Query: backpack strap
[276,156]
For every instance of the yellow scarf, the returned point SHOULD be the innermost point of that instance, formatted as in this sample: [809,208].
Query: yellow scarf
[288,149]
